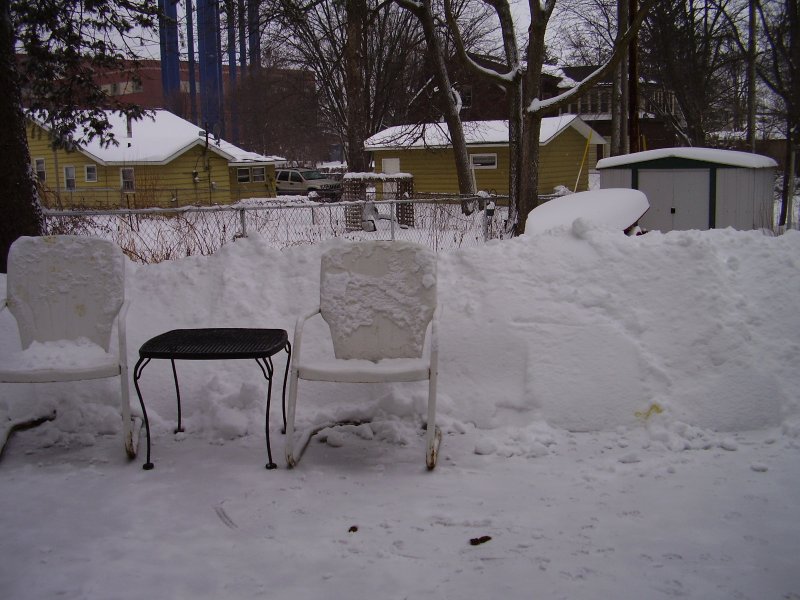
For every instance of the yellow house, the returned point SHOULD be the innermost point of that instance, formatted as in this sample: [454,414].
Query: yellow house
[160,160]
[567,146]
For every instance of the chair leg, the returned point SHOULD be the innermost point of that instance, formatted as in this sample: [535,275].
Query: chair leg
[10,424]
[137,372]
[290,459]
[433,435]
[129,431]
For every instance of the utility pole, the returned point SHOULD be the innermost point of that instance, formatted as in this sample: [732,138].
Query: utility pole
[751,78]
[633,86]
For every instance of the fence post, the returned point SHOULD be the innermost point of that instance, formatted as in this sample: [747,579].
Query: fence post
[392,217]
[488,215]
[242,223]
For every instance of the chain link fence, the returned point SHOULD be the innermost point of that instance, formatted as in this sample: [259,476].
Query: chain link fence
[158,234]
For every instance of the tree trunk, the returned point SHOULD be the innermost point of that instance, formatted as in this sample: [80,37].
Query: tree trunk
[787,191]
[529,194]
[21,213]
[751,78]
[616,121]
[253,35]
[532,121]
[450,108]
[356,89]
[619,94]
[518,154]
[634,144]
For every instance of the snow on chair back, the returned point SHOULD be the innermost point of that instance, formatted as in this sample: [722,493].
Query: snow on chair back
[378,298]
[65,287]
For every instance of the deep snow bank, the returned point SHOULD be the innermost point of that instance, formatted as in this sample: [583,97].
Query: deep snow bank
[580,328]
[585,328]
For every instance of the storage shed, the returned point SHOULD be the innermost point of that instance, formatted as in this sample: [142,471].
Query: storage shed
[697,188]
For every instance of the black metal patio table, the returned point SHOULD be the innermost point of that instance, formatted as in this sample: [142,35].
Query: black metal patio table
[215,344]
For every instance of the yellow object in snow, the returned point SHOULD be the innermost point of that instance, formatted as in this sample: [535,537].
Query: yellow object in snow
[655,409]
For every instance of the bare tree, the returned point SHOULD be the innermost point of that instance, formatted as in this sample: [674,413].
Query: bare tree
[780,70]
[511,81]
[279,114]
[355,63]
[450,99]
[587,40]
[364,54]
[588,30]
[65,42]
[687,47]
[752,32]
[523,84]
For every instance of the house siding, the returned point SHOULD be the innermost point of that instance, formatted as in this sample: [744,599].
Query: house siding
[164,186]
[434,169]
[253,189]
[560,163]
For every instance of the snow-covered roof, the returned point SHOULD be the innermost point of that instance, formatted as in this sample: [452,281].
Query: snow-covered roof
[554,71]
[731,158]
[160,138]
[477,133]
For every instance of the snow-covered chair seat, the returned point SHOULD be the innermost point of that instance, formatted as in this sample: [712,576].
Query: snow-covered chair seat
[378,299]
[66,292]
[59,361]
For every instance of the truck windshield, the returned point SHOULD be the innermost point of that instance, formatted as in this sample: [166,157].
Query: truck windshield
[313,175]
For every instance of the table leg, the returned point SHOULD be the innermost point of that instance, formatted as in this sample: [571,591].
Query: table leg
[267,368]
[137,372]
[178,394]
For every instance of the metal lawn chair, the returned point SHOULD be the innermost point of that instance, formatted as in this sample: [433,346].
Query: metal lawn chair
[66,292]
[379,300]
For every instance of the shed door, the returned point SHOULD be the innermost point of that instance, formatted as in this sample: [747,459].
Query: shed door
[389,166]
[678,198]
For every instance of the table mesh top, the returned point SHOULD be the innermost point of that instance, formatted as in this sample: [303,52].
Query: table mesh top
[214,344]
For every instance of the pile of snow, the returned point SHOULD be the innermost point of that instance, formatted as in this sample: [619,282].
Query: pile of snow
[620,421]
[614,208]
[579,328]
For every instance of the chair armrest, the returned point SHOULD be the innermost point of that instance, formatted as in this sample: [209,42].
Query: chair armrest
[298,332]
[122,334]
[435,339]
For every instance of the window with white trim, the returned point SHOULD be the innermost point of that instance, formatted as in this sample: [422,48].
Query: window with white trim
[243,175]
[259,174]
[483,161]
[90,172]
[69,177]
[127,180]
[41,173]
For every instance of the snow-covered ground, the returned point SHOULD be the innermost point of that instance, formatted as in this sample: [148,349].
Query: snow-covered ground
[620,418]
